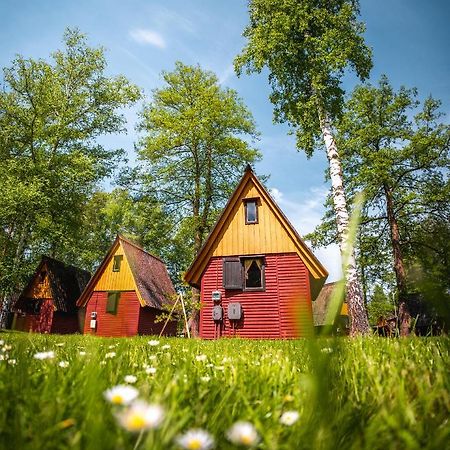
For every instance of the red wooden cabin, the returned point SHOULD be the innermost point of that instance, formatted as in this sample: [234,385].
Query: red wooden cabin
[127,293]
[48,302]
[254,272]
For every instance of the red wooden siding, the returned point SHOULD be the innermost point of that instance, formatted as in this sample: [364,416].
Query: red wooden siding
[123,323]
[65,323]
[283,310]
[38,323]
[147,324]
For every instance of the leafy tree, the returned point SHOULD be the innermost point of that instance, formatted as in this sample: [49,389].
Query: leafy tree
[51,114]
[380,306]
[194,149]
[401,162]
[307,46]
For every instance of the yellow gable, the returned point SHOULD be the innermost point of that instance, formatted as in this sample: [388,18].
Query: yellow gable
[265,236]
[40,288]
[116,281]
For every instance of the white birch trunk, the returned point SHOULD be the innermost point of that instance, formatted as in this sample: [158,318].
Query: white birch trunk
[359,323]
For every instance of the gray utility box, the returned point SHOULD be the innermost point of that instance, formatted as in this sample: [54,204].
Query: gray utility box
[234,311]
[217,313]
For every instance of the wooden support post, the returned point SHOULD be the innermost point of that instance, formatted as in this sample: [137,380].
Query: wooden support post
[168,318]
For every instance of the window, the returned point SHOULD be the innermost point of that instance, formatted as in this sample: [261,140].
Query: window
[42,276]
[112,302]
[245,273]
[254,274]
[251,211]
[232,273]
[117,262]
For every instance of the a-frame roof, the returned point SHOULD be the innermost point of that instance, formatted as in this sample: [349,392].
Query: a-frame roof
[150,277]
[66,282]
[193,275]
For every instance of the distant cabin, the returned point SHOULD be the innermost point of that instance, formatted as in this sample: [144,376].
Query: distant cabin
[127,293]
[256,276]
[48,302]
[320,310]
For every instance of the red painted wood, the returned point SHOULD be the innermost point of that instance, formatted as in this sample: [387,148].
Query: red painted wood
[42,322]
[123,323]
[283,310]
[147,324]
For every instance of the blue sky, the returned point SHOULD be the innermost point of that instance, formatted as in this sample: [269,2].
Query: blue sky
[410,40]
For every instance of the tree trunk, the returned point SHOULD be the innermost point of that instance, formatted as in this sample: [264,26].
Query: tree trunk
[404,316]
[359,323]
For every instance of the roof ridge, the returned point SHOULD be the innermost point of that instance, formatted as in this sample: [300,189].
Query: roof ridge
[134,244]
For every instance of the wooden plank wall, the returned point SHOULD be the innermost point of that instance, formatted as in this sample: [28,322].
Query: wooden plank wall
[283,310]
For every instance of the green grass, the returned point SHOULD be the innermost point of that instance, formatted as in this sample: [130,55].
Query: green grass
[351,393]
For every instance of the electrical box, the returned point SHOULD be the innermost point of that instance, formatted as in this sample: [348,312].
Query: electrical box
[217,313]
[216,296]
[93,315]
[234,311]
[93,324]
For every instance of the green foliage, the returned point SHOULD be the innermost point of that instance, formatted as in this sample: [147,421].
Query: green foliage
[379,306]
[194,149]
[51,114]
[369,393]
[307,46]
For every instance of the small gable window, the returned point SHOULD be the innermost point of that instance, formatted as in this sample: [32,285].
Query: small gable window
[251,211]
[254,274]
[112,302]
[117,263]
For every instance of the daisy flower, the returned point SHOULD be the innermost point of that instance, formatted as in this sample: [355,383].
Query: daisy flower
[289,417]
[243,433]
[153,343]
[196,439]
[63,364]
[130,379]
[121,394]
[201,357]
[140,416]
[205,379]
[12,362]
[165,347]
[110,355]
[150,370]
[82,353]
[44,355]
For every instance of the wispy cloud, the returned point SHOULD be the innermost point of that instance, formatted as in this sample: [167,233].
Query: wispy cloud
[226,74]
[146,36]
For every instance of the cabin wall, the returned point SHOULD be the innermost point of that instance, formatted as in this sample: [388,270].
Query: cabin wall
[65,323]
[123,323]
[283,310]
[37,323]
[147,324]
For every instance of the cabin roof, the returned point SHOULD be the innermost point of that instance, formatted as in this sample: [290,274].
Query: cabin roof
[195,271]
[320,306]
[66,283]
[151,279]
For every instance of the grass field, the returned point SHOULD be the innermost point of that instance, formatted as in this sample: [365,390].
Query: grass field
[369,393]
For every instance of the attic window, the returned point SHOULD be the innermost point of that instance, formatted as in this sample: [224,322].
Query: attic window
[117,262]
[112,302]
[251,210]
[42,276]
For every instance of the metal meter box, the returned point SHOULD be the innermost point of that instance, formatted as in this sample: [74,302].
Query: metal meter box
[216,296]
[217,313]
[93,324]
[234,311]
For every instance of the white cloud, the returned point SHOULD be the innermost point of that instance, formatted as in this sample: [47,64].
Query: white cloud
[226,74]
[305,215]
[145,36]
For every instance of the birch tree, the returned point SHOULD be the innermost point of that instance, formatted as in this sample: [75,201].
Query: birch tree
[307,46]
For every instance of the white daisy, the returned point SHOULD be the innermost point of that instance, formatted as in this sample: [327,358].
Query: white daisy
[196,439]
[165,347]
[201,357]
[44,355]
[140,416]
[150,370]
[152,357]
[243,433]
[153,343]
[82,353]
[121,394]
[110,355]
[205,379]
[60,344]
[289,417]
[12,362]
[63,364]
[130,379]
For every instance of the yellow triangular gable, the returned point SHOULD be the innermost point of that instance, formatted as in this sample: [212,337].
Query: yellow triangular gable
[272,234]
[105,279]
